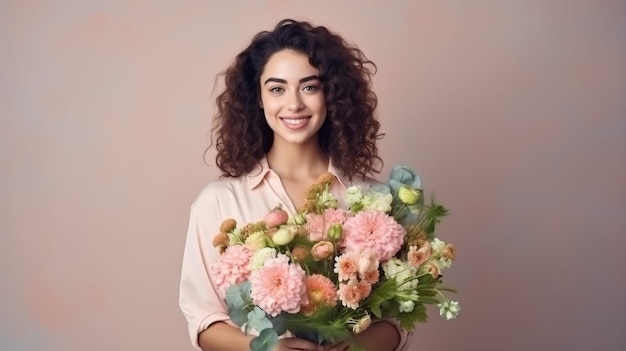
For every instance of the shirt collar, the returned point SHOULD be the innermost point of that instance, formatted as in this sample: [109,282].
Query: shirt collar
[256,176]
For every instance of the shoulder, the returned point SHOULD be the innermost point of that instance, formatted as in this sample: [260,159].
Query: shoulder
[220,190]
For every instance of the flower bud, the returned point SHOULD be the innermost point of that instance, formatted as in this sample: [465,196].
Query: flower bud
[362,324]
[276,218]
[221,240]
[408,195]
[228,225]
[433,269]
[299,218]
[356,207]
[283,236]
[255,241]
[300,253]
[322,250]
[335,231]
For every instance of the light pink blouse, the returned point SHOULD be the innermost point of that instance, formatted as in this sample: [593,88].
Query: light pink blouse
[247,199]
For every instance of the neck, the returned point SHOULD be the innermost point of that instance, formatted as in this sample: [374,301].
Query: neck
[297,161]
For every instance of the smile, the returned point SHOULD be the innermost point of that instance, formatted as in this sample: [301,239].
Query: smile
[295,121]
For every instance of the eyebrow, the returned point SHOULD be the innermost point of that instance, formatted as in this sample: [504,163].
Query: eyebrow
[278,80]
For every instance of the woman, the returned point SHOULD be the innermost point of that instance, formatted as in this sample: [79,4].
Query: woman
[297,103]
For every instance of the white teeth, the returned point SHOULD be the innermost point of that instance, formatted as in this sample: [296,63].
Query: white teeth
[294,121]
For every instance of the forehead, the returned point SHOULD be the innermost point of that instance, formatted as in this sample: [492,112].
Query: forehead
[289,65]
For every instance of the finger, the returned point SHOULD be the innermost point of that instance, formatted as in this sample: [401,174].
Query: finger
[340,346]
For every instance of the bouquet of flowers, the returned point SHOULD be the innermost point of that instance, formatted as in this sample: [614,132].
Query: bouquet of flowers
[326,272]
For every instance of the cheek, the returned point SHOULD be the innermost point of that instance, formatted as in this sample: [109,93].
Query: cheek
[319,104]
[268,104]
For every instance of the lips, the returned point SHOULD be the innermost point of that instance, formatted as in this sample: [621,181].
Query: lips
[295,122]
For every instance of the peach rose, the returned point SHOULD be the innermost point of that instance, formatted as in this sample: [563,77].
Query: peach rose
[322,250]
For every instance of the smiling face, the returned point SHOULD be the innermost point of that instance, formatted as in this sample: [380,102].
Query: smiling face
[292,98]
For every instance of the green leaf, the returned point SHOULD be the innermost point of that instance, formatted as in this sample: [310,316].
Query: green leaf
[267,339]
[279,323]
[429,300]
[408,320]
[257,319]
[385,292]
[238,299]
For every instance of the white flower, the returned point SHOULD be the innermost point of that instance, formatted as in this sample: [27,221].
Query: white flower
[443,262]
[437,245]
[377,201]
[353,195]
[449,309]
[327,199]
[402,272]
[258,259]
[406,306]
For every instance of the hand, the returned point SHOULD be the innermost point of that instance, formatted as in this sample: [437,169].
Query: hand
[379,336]
[297,344]
[340,346]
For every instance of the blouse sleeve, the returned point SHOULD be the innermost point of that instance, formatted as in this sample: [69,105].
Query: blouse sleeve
[198,298]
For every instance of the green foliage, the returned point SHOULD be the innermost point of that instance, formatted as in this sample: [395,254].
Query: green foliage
[383,293]
[266,340]
[408,320]
[239,302]
[433,214]
[257,319]
[279,323]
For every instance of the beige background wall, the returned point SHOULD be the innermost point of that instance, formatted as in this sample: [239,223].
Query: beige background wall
[514,112]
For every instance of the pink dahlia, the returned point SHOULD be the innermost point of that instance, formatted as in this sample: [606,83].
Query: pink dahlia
[279,286]
[232,268]
[318,225]
[373,230]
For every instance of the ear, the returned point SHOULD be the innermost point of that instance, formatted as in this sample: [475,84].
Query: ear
[260,104]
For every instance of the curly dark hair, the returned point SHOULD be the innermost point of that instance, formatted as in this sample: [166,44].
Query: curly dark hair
[240,132]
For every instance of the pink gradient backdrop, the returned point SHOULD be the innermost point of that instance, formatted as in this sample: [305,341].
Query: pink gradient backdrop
[513,112]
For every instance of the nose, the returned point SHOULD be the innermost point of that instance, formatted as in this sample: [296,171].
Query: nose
[294,101]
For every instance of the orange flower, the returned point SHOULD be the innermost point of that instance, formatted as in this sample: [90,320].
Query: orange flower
[372,277]
[433,269]
[418,257]
[320,291]
[448,252]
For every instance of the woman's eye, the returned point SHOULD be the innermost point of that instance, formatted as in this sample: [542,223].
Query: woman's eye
[310,88]
[276,90]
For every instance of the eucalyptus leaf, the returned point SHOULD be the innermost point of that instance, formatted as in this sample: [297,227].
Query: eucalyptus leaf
[267,339]
[237,299]
[257,319]
[279,323]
